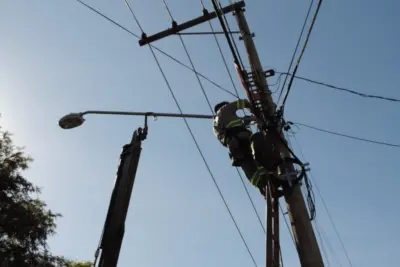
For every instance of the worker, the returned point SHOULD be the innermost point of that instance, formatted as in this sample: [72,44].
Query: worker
[233,133]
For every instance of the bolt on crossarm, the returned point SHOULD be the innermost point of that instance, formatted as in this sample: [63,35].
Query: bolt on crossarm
[306,242]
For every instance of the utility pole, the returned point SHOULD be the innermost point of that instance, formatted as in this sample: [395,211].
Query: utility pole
[306,242]
[256,87]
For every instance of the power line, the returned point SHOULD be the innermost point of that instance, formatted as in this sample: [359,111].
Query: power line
[321,241]
[236,57]
[237,93]
[325,206]
[231,34]
[220,51]
[301,53]
[330,248]
[341,88]
[201,153]
[182,64]
[347,136]
[190,60]
[211,109]
[297,46]
[287,226]
[156,48]
[251,201]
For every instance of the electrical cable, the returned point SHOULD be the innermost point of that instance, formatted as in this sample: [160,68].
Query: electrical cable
[209,170]
[330,248]
[301,54]
[202,155]
[231,35]
[222,54]
[190,60]
[212,111]
[251,201]
[297,46]
[231,47]
[347,136]
[237,93]
[341,88]
[321,241]
[288,227]
[326,207]
[156,48]
[310,193]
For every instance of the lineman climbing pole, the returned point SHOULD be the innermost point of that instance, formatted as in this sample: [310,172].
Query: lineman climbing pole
[269,124]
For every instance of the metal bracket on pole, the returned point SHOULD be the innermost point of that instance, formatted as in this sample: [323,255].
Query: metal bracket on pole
[176,28]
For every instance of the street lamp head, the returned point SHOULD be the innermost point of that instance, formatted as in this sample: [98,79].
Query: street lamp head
[71,120]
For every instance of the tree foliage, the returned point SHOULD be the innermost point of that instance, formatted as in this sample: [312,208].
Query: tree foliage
[25,221]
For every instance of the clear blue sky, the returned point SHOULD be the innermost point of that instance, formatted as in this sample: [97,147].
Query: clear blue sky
[58,57]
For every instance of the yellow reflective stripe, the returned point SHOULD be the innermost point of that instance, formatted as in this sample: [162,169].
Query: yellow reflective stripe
[255,179]
[234,123]
[241,103]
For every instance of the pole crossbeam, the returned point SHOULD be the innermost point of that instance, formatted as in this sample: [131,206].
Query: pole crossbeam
[176,28]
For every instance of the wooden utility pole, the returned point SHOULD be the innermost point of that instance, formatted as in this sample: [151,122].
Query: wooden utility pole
[256,88]
[306,242]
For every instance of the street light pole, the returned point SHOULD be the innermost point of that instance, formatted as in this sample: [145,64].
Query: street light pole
[114,226]
[73,120]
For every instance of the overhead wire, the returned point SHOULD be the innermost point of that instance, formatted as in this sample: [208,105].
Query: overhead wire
[156,48]
[236,58]
[180,63]
[288,226]
[326,207]
[201,154]
[297,46]
[330,248]
[301,54]
[237,93]
[222,54]
[310,192]
[209,104]
[251,200]
[341,88]
[212,111]
[322,244]
[231,34]
[190,59]
[346,135]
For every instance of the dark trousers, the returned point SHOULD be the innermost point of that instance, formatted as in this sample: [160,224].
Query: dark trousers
[239,146]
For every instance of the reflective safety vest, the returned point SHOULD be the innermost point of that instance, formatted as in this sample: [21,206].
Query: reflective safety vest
[226,118]
[257,176]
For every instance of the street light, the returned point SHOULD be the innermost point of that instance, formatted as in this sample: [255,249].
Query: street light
[71,120]
[74,120]
[114,226]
